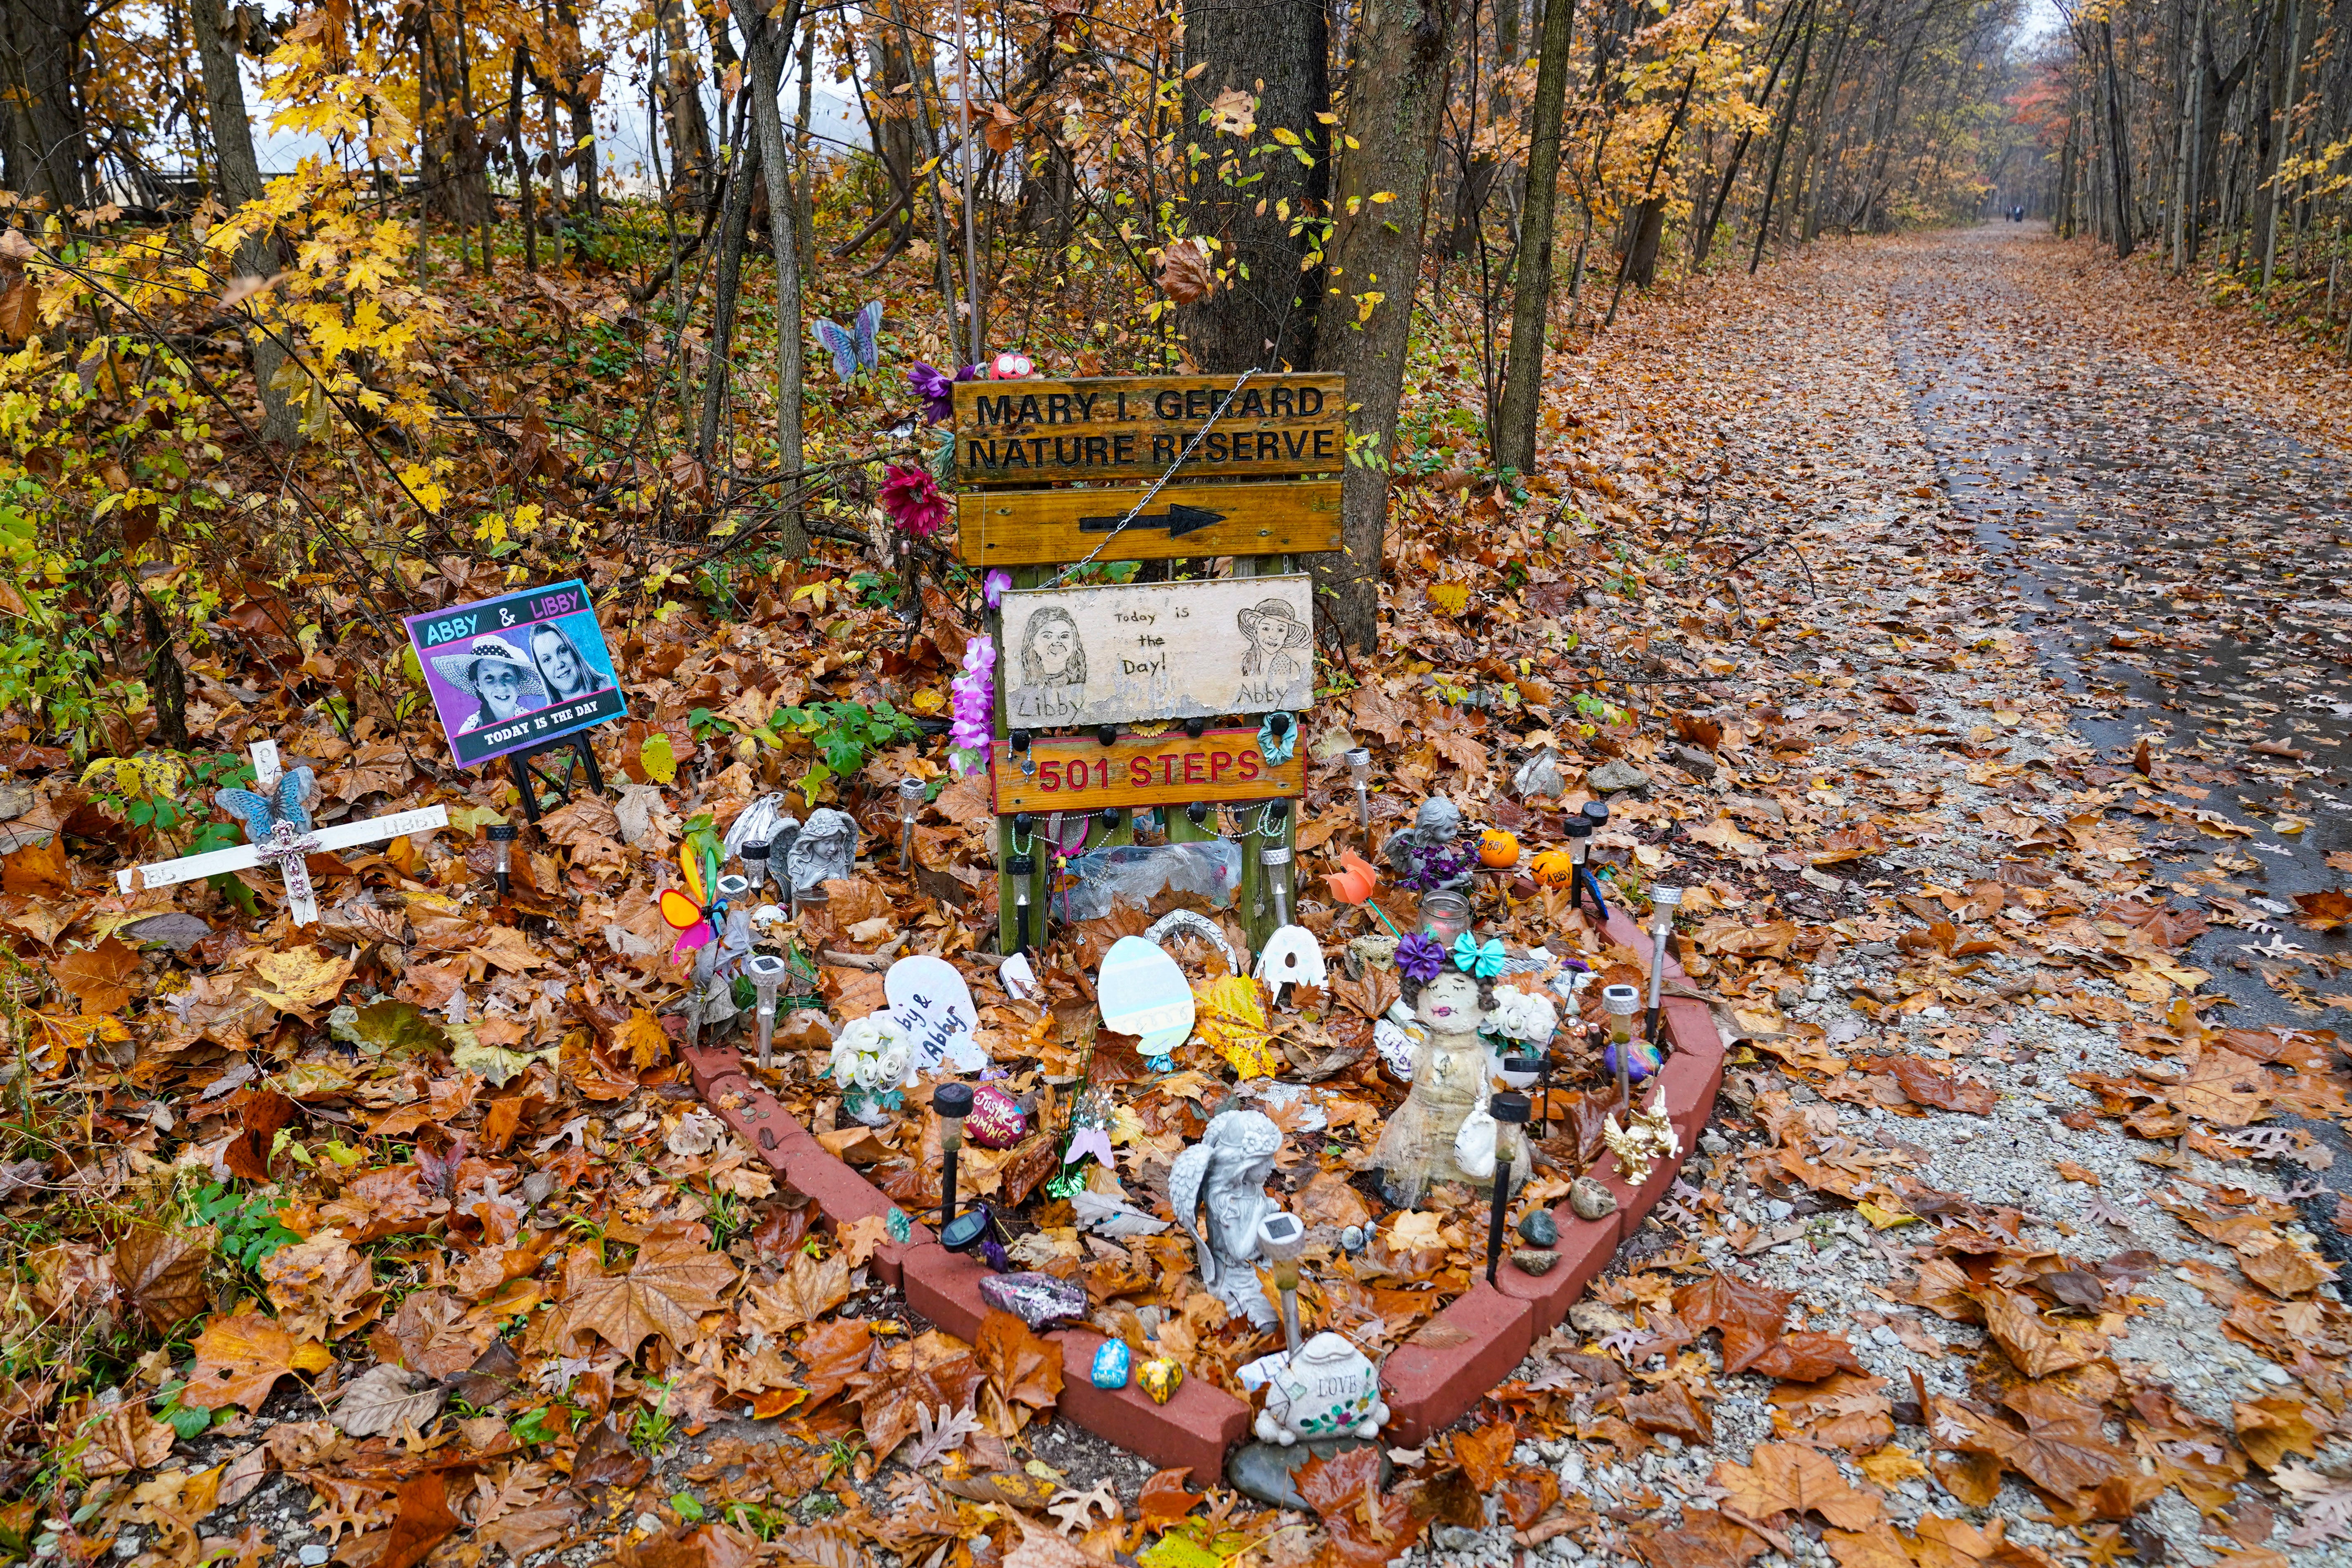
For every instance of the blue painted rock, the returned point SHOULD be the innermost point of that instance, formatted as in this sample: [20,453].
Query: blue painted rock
[1036,1298]
[1111,1363]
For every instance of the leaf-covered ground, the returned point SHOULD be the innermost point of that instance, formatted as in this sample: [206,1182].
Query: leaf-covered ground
[402,1238]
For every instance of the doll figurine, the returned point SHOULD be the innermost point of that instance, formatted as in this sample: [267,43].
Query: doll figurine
[1449,1077]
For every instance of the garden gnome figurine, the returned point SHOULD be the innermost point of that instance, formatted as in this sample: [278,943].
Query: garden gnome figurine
[1436,826]
[1226,1173]
[1422,1144]
[825,849]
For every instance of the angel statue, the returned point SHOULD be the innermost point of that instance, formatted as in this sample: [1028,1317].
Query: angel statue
[1227,1170]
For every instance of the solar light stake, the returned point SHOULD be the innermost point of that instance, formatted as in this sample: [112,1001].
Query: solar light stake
[1021,868]
[1360,768]
[1510,1109]
[910,805]
[953,1103]
[1281,1238]
[1663,901]
[502,839]
[1621,1002]
[766,972]
[755,856]
[1596,813]
[1274,860]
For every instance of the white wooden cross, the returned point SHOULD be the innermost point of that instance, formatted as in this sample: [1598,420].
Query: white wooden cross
[286,846]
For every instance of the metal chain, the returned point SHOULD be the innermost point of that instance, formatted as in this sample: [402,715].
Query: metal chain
[1182,457]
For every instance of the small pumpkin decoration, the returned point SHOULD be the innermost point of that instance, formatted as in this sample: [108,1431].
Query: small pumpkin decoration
[1497,848]
[1554,868]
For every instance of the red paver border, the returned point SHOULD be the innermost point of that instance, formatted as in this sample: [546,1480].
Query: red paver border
[1428,1385]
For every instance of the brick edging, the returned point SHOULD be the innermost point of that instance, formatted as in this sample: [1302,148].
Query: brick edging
[1428,1385]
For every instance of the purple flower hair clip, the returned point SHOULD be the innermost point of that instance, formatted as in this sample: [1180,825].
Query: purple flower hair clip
[1421,956]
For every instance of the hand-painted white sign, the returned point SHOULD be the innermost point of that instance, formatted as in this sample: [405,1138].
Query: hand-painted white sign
[932,1005]
[1079,656]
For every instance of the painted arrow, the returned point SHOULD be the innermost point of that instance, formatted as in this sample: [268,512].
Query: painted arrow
[1178,520]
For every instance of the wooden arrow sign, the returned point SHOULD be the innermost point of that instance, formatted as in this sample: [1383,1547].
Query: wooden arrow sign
[1038,527]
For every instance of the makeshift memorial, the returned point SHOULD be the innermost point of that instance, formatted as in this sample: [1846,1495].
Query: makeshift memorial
[1324,1388]
[1111,1363]
[767,974]
[1509,1113]
[1360,772]
[951,1103]
[825,849]
[1227,1171]
[275,814]
[501,837]
[1142,992]
[1280,1239]
[997,1120]
[1427,855]
[872,1061]
[1449,1071]
[1038,1300]
[1136,772]
[517,673]
[931,1006]
[1662,904]
[1160,1377]
[1291,956]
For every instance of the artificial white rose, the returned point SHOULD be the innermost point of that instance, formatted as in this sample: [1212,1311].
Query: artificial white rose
[1523,1016]
[891,1064]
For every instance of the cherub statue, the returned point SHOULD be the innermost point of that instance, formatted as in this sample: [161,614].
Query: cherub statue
[1420,1143]
[1437,826]
[1227,1171]
[826,849]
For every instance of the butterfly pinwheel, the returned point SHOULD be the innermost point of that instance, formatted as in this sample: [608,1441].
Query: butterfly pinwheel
[283,813]
[694,911]
[1485,962]
[853,347]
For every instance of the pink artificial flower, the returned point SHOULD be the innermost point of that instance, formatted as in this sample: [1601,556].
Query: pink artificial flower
[992,586]
[975,697]
[914,501]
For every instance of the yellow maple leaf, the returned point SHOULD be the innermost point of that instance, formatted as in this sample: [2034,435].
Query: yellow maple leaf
[1453,597]
[644,1039]
[1233,1021]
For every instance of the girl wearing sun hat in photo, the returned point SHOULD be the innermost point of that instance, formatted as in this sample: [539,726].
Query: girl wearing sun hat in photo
[501,680]
[1273,629]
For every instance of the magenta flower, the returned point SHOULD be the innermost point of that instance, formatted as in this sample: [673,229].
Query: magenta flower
[914,501]
[992,586]
[975,699]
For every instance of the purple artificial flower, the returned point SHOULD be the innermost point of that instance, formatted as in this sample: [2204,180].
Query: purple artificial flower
[937,392]
[974,691]
[1421,956]
[992,586]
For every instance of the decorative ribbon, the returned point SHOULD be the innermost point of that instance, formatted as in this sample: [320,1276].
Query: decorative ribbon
[1421,956]
[1276,749]
[1485,962]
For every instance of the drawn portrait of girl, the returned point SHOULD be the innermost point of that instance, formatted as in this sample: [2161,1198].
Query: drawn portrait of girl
[1275,637]
[1052,689]
[567,672]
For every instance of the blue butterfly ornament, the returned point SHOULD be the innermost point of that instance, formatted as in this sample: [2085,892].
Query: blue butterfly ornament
[286,808]
[853,347]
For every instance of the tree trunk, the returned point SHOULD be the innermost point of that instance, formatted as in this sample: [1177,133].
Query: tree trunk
[741,175]
[1365,324]
[237,174]
[47,146]
[765,42]
[692,174]
[804,158]
[2118,149]
[521,156]
[1780,148]
[2272,194]
[1515,426]
[1264,312]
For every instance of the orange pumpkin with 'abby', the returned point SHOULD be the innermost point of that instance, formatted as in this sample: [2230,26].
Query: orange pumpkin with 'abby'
[1554,868]
[1497,848]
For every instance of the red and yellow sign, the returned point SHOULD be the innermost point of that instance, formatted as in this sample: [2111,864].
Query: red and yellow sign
[1078,773]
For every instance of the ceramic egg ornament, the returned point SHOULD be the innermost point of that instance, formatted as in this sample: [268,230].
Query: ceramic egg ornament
[1143,993]
[1291,956]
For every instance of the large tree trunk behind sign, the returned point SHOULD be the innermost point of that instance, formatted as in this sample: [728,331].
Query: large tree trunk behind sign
[1515,427]
[1396,96]
[1279,54]
[42,131]
[238,177]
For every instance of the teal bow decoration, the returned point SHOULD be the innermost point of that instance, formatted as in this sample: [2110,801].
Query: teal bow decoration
[1276,749]
[1485,962]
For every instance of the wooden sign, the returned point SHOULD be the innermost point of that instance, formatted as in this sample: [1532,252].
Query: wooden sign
[1078,773]
[1030,528]
[1133,427]
[1161,650]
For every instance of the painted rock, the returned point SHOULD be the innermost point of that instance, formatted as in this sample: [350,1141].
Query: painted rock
[1111,1363]
[1351,1239]
[1143,993]
[1591,1199]
[1159,1377]
[1642,1059]
[1539,1229]
[1036,1298]
[1534,1260]
[997,1120]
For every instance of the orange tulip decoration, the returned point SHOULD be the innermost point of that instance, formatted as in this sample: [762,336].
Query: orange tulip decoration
[1498,849]
[1354,881]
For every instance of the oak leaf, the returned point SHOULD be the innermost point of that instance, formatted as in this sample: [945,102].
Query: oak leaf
[1788,1478]
[673,1280]
[240,1359]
